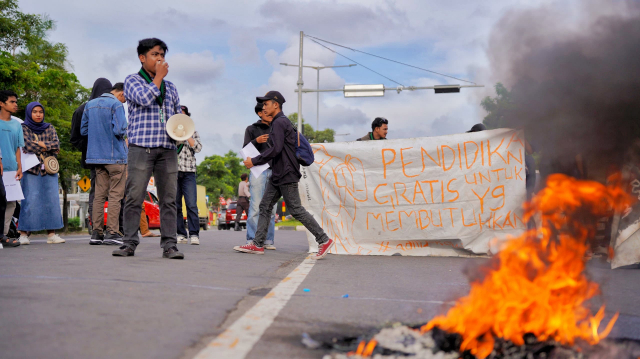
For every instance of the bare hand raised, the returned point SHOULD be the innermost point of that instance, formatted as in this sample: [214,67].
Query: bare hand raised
[262,139]
[162,69]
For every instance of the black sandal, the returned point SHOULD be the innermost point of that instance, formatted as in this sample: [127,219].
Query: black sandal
[10,242]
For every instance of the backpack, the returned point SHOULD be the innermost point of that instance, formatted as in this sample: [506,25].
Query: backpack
[304,152]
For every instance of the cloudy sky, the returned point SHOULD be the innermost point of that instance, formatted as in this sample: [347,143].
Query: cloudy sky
[224,53]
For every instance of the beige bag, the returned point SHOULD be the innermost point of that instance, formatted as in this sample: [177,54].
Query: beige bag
[51,165]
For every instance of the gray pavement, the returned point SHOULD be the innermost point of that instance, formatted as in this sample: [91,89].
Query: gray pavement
[76,301]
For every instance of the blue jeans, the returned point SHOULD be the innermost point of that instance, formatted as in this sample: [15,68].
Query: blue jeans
[256,189]
[187,187]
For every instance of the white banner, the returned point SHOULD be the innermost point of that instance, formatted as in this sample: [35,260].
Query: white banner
[448,195]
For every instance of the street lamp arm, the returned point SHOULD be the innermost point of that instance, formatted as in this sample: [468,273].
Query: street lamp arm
[398,89]
[318,67]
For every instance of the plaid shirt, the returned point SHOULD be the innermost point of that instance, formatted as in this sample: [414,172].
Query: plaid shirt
[50,139]
[186,157]
[145,128]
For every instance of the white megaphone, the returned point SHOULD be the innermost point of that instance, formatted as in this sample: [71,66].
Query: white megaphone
[180,127]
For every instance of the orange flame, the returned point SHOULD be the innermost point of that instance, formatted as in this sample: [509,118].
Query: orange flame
[536,283]
[364,349]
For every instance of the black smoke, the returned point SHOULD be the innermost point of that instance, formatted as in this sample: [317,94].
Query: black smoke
[575,89]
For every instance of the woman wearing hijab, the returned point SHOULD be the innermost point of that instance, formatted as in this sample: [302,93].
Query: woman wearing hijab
[40,208]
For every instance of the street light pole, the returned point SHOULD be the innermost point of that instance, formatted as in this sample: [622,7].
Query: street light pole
[318,68]
[318,101]
[300,83]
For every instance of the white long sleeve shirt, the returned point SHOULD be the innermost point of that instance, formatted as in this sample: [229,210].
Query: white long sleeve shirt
[243,189]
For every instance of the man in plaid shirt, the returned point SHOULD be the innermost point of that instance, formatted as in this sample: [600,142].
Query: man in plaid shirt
[187,187]
[152,101]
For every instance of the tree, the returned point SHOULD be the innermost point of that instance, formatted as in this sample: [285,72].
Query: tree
[326,135]
[221,174]
[35,69]
[498,108]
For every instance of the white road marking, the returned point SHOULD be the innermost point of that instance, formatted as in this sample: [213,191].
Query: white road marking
[238,340]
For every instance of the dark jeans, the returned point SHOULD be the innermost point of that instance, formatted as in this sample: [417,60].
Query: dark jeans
[187,187]
[162,163]
[242,205]
[292,198]
[3,206]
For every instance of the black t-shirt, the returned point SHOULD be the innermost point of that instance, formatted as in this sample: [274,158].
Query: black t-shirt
[281,152]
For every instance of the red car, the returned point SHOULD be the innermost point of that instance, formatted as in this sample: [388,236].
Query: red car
[227,218]
[151,208]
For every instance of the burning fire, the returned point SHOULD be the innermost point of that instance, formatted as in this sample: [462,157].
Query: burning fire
[536,283]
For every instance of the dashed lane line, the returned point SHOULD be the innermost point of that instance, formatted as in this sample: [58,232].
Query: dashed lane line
[238,340]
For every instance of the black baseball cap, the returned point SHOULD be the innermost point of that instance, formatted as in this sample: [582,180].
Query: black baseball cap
[478,127]
[272,95]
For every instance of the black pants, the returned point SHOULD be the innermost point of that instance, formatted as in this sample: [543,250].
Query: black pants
[292,198]
[3,206]
[188,188]
[143,162]
[243,205]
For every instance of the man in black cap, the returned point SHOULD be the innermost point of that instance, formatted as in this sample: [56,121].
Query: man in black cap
[284,179]
[258,134]
[477,128]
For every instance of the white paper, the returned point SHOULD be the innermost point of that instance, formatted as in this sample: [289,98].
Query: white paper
[28,160]
[251,151]
[12,186]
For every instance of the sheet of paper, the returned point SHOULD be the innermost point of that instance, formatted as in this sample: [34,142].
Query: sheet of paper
[12,186]
[28,161]
[251,151]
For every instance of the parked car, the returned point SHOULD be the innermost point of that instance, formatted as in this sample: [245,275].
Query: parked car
[227,218]
[151,208]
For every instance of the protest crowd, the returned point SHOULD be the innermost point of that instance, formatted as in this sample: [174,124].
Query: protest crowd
[123,151]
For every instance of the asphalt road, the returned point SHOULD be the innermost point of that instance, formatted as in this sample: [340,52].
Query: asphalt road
[74,300]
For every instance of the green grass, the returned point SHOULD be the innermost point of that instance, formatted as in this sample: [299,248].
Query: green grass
[288,223]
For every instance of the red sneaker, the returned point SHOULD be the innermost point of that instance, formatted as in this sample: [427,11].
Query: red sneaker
[249,248]
[324,248]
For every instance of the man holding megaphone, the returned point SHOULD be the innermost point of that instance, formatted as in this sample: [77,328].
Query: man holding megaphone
[151,101]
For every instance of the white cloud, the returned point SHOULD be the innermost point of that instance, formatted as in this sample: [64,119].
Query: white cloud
[215,61]
[244,48]
[195,69]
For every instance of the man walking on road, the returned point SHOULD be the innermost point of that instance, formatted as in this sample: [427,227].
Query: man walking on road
[3,203]
[379,129]
[284,180]
[105,125]
[243,199]
[11,142]
[100,86]
[152,101]
[258,134]
[187,187]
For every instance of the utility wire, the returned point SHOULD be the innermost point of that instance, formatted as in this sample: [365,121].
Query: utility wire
[384,58]
[334,51]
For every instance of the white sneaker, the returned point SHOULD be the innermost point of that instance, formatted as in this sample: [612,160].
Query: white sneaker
[195,240]
[24,240]
[269,246]
[55,239]
[182,239]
